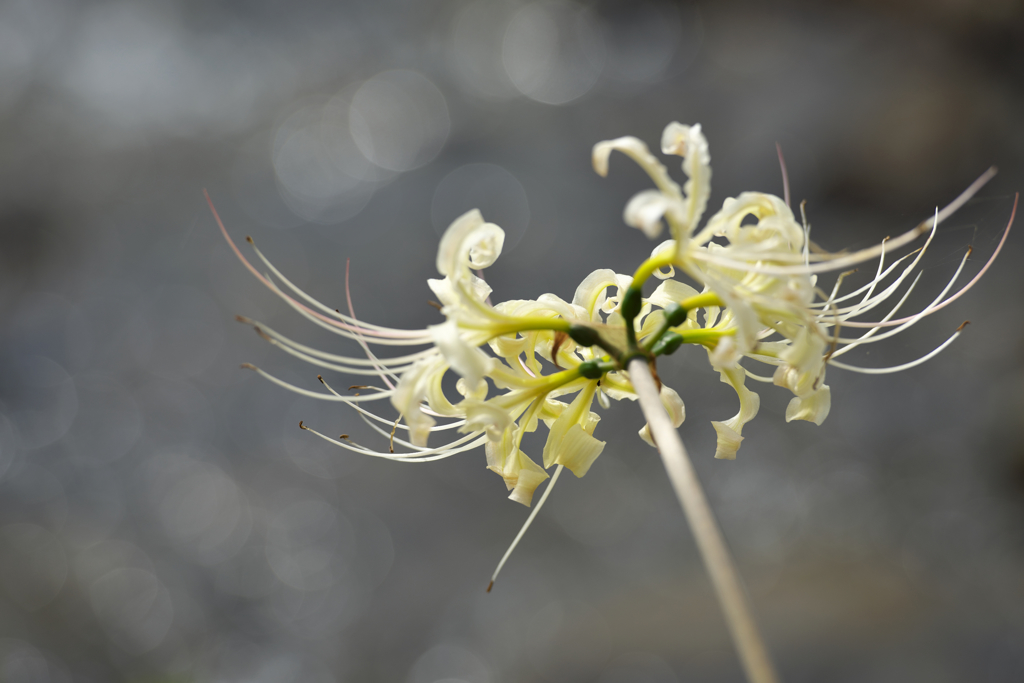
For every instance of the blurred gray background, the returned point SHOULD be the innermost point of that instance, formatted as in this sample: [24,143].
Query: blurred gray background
[162,518]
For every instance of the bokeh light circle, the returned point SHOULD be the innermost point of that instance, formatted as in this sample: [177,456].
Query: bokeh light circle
[553,51]
[321,174]
[399,120]
[498,194]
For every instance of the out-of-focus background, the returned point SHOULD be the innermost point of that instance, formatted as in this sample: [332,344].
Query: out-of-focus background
[162,517]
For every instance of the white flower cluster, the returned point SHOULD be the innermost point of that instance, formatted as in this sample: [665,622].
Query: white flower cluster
[754,295]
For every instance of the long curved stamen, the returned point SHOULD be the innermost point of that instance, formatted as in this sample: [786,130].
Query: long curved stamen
[758,378]
[905,366]
[317,362]
[974,280]
[785,174]
[872,303]
[526,525]
[869,287]
[831,298]
[851,343]
[925,312]
[350,322]
[455,443]
[393,362]
[342,329]
[265,280]
[867,303]
[316,394]
[807,232]
[856,257]
[384,420]
[366,347]
[430,456]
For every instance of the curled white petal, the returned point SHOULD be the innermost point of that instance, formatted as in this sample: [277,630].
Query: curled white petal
[813,407]
[569,440]
[671,292]
[637,151]
[803,363]
[528,477]
[730,431]
[668,246]
[410,393]
[469,242]
[578,450]
[725,355]
[451,298]
[486,416]
[592,292]
[647,209]
[690,143]
[729,441]
[466,359]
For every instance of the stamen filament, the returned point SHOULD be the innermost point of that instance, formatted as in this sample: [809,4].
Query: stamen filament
[316,394]
[905,366]
[526,525]
[856,257]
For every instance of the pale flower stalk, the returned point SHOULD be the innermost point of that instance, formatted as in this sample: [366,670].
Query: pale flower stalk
[752,295]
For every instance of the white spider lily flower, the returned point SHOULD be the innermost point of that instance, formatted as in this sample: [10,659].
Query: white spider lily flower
[764,276]
[756,297]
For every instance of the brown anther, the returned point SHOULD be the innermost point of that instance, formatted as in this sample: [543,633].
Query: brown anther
[435,305]
[249,240]
[264,335]
[393,430]
[343,436]
[321,380]
[301,425]
[560,338]
[248,366]
[490,586]
[963,325]
[970,250]
[832,349]
[242,319]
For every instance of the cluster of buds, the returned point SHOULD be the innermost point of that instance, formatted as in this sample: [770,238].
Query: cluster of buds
[752,294]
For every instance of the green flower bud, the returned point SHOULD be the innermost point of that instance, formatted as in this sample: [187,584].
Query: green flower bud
[668,344]
[591,369]
[632,302]
[584,336]
[675,315]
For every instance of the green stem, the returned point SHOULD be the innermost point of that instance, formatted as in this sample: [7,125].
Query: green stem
[676,317]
